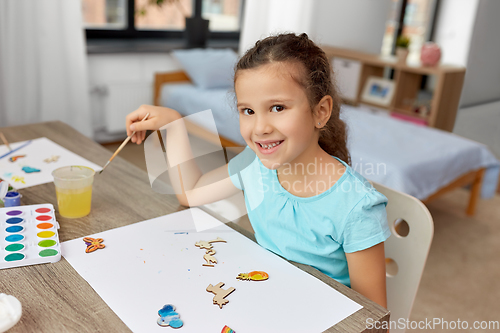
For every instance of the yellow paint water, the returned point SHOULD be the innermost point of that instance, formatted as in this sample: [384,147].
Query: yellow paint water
[74,203]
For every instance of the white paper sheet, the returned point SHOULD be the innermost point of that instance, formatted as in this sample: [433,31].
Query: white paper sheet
[36,152]
[155,262]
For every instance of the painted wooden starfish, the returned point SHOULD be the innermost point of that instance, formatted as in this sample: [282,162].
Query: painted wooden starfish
[18,179]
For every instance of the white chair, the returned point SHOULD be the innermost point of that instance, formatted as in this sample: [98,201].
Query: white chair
[406,251]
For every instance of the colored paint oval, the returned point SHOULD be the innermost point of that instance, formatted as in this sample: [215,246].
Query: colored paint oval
[14,238]
[14,212]
[42,210]
[14,257]
[44,225]
[14,220]
[47,243]
[45,234]
[48,253]
[15,228]
[44,218]
[14,247]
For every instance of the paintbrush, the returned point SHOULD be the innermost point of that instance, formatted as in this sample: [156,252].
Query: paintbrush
[4,139]
[122,145]
[16,149]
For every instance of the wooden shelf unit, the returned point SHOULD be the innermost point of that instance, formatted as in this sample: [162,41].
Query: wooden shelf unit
[407,80]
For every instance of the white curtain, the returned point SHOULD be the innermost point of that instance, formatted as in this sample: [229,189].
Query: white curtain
[43,63]
[351,24]
[265,17]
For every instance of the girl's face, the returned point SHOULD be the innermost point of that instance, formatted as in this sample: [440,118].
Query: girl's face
[276,120]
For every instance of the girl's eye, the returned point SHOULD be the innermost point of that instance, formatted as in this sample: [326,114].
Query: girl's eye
[247,112]
[278,108]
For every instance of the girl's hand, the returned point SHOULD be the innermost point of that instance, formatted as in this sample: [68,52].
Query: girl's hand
[158,117]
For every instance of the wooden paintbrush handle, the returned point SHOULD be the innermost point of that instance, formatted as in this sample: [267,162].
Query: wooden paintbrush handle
[4,139]
[121,146]
[126,141]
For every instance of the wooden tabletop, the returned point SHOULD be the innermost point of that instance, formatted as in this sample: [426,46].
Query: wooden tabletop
[54,297]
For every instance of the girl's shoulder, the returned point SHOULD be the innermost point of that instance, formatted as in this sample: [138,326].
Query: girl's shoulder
[356,187]
[354,176]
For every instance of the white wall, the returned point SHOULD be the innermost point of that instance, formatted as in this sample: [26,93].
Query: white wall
[351,24]
[265,17]
[482,80]
[468,32]
[481,123]
[454,28]
[478,47]
[453,32]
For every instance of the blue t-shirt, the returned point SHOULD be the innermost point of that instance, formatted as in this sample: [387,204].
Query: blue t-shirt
[350,216]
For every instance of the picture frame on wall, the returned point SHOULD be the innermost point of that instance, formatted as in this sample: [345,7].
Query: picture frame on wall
[378,90]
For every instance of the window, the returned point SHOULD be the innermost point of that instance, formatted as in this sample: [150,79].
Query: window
[417,22]
[391,26]
[141,19]
[102,14]
[169,16]
[224,15]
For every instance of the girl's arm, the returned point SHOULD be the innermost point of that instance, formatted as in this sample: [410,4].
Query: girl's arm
[192,187]
[367,273]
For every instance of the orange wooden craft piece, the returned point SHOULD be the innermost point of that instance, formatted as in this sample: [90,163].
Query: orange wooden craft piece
[254,276]
[93,244]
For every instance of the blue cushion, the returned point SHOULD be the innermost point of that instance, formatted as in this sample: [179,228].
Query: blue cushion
[208,68]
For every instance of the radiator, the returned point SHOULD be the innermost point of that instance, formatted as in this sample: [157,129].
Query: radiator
[121,99]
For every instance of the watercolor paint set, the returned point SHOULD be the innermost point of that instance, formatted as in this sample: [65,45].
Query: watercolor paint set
[28,236]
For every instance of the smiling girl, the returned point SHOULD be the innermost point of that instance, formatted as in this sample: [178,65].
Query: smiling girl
[303,199]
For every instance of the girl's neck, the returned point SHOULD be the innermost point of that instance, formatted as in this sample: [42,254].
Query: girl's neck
[312,175]
[300,166]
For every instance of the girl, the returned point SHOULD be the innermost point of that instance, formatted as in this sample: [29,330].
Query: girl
[303,199]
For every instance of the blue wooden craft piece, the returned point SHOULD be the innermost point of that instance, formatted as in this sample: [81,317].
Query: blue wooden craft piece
[28,169]
[168,317]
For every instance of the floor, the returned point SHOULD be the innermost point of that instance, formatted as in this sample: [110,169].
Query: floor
[461,280]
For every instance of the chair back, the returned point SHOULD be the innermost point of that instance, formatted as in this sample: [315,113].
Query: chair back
[406,251]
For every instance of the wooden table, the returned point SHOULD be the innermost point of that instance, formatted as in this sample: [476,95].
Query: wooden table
[54,297]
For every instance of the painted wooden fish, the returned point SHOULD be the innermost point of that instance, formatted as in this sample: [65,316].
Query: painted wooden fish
[15,158]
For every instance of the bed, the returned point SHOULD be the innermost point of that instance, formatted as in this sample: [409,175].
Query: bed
[421,161]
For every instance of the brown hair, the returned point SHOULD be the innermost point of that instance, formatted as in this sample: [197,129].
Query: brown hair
[316,81]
